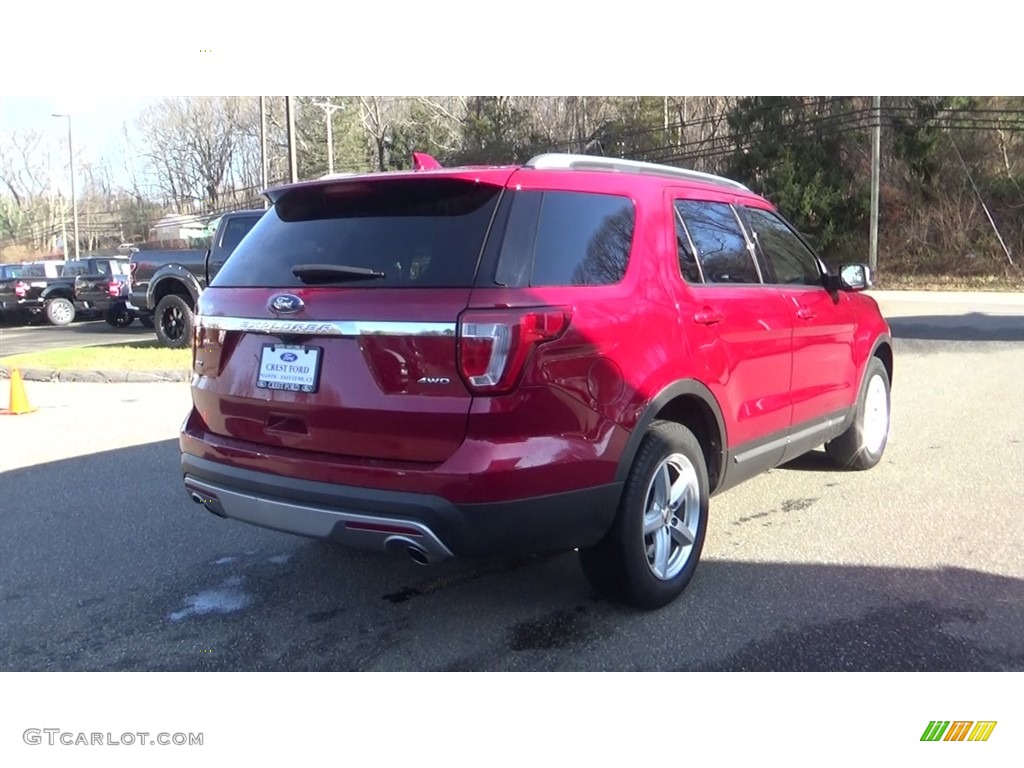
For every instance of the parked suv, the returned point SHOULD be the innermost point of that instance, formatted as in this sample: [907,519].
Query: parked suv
[575,353]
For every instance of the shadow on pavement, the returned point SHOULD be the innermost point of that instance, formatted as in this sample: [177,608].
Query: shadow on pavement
[975,326]
[106,565]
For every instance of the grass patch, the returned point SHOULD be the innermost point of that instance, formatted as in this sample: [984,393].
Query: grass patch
[892,280]
[135,356]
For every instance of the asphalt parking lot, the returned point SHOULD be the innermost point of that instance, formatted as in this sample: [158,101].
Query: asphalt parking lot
[916,565]
[16,339]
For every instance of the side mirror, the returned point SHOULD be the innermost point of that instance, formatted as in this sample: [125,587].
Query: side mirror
[855,277]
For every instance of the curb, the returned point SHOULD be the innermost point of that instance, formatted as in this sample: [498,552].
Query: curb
[98,377]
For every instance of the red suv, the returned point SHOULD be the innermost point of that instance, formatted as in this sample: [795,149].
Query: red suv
[573,353]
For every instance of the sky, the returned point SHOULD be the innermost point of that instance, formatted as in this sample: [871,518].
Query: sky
[96,124]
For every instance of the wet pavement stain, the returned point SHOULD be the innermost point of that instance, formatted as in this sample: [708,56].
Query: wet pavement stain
[742,520]
[402,595]
[321,616]
[556,630]
[797,505]
[485,568]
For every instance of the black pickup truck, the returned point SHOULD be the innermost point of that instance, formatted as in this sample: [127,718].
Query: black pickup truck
[95,285]
[165,285]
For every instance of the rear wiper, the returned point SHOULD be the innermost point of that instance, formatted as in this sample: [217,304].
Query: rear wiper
[333,273]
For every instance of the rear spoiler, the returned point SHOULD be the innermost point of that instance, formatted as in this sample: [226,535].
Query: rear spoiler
[421,161]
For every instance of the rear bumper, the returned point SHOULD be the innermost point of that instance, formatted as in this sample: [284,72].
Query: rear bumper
[371,518]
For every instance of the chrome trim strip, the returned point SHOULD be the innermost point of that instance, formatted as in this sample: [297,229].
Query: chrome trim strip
[325,327]
[788,439]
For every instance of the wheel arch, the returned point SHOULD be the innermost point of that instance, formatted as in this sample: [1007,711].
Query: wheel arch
[690,403]
[882,349]
[173,279]
[58,292]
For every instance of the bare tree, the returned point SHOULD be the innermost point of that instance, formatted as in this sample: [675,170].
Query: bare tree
[191,145]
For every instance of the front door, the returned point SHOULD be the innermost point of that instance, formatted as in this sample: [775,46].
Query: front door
[824,328]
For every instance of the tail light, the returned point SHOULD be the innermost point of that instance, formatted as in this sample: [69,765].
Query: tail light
[495,344]
[113,289]
[20,289]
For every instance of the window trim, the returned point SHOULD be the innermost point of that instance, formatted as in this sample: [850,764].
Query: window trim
[749,246]
[796,233]
[696,256]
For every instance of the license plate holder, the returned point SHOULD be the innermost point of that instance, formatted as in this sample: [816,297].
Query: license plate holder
[290,368]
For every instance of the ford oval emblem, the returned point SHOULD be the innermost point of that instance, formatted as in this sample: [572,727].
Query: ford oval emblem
[286,303]
[289,357]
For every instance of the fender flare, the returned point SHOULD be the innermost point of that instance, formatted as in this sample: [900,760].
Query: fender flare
[176,273]
[679,388]
[58,292]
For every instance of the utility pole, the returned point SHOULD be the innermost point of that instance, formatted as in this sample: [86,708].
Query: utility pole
[876,153]
[293,166]
[263,146]
[74,200]
[329,110]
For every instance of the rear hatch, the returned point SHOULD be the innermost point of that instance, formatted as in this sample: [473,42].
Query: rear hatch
[332,328]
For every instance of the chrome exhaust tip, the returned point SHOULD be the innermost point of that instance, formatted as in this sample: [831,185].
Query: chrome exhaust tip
[414,551]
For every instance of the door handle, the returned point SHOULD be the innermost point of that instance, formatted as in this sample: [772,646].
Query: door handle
[805,313]
[708,316]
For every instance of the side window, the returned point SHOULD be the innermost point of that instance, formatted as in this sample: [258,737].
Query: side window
[688,266]
[566,238]
[721,246]
[235,230]
[788,259]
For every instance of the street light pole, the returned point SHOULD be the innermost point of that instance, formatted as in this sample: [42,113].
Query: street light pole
[329,110]
[74,199]
[263,147]
[293,164]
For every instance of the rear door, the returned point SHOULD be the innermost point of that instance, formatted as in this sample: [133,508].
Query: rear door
[740,331]
[332,327]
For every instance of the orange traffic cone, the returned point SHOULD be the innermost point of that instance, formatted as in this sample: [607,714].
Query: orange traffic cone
[19,400]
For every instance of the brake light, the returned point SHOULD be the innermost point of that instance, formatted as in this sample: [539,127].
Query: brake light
[113,289]
[20,289]
[495,344]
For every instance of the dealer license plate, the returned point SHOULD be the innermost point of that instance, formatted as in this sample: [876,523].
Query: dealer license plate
[291,368]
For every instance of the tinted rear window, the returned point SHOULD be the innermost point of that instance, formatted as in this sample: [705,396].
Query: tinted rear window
[566,238]
[419,232]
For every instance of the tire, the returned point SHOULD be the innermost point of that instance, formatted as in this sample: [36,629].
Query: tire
[60,311]
[147,321]
[628,565]
[119,316]
[173,318]
[862,445]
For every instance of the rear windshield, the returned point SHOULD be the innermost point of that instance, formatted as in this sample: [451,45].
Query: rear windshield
[418,232]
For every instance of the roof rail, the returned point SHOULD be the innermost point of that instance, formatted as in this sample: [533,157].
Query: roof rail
[558,161]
